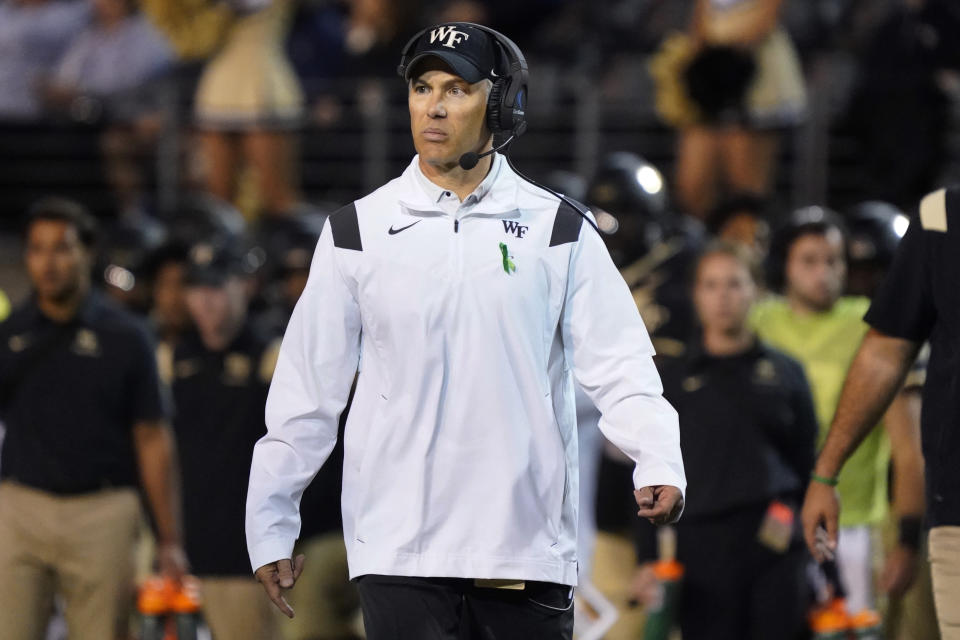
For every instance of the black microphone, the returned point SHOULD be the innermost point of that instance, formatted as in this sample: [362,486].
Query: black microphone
[470,159]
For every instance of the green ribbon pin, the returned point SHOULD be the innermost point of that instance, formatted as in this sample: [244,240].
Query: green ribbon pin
[508,265]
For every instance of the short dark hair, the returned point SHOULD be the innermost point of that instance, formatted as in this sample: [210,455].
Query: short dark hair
[807,221]
[740,202]
[731,250]
[59,209]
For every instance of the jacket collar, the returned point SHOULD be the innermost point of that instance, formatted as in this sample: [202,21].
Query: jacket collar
[496,196]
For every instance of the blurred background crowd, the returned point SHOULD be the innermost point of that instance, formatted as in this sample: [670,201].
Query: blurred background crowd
[211,138]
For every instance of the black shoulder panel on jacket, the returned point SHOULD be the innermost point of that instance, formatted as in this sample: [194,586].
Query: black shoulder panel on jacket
[345,228]
[566,226]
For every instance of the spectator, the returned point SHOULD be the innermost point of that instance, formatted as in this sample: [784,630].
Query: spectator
[124,251]
[917,302]
[112,58]
[748,427]
[166,271]
[820,328]
[220,377]
[739,84]
[81,402]
[652,246]
[654,249]
[33,36]
[287,270]
[249,102]
[875,230]
[742,219]
[325,600]
[103,78]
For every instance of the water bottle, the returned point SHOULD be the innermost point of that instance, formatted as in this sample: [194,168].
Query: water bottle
[830,621]
[152,606]
[867,625]
[662,615]
[185,605]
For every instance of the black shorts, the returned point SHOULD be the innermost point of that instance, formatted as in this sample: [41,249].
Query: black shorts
[404,608]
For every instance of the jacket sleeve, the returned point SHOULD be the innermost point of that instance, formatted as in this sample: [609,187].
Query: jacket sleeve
[607,345]
[315,370]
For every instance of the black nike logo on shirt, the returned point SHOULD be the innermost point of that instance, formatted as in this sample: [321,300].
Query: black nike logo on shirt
[393,231]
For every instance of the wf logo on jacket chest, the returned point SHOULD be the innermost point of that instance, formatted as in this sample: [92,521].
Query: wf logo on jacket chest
[517,229]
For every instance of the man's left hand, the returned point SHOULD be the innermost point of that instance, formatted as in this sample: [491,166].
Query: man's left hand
[660,504]
[172,561]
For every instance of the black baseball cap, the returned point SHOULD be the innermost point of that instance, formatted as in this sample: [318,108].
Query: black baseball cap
[470,52]
[212,265]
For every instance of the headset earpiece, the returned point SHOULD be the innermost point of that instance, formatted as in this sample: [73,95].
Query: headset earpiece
[495,108]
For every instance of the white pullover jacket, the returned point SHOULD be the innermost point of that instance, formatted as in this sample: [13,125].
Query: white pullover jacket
[468,323]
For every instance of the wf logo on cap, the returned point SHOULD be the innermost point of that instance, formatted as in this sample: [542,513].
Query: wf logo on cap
[450,34]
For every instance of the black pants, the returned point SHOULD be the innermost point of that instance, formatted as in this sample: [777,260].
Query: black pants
[734,588]
[401,608]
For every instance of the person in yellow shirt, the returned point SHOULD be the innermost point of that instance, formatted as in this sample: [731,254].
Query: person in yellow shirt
[822,329]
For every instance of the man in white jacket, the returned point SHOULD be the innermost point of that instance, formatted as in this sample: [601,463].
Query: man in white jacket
[468,299]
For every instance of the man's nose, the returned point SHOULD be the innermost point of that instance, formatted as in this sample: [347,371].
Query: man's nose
[436,109]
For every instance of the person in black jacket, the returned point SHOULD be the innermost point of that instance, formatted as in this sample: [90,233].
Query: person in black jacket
[86,438]
[747,429]
[220,374]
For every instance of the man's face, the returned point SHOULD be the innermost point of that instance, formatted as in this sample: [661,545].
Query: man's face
[723,292]
[748,231]
[169,299]
[447,115]
[217,309]
[816,270]
[57,262]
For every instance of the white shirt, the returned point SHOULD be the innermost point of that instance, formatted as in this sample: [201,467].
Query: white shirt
[460,450]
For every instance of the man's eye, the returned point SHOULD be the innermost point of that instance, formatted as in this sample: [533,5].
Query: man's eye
[457,91]
[420,89]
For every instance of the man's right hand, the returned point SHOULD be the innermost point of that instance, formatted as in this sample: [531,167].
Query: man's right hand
[277,577]
[645,586]
[821,511]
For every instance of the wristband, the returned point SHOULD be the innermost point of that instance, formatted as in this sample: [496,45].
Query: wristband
[911,532]
[830,482]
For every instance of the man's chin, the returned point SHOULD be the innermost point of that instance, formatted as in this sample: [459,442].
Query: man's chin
[822,303]
[440,160]
[57,294]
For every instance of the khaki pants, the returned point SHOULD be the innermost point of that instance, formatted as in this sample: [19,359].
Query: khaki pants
[239,609]
[78,546]
[912,617]
[614,563]
[945,568]
[325,601]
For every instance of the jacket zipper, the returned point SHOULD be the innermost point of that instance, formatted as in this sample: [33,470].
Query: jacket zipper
[458,258]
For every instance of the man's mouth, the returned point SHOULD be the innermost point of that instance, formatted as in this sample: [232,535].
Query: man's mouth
[434,135]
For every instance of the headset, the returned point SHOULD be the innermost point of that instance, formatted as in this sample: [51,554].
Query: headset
[505,105]
[506,113]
